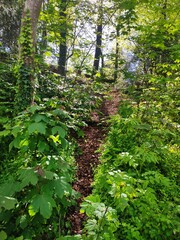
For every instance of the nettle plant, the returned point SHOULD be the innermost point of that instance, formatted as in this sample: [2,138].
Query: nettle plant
[35,194]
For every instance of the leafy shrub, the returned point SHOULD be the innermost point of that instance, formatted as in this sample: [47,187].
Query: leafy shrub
[104,222]
[36,192]
[7,96]
[7,90]
[78,96]
[138,177]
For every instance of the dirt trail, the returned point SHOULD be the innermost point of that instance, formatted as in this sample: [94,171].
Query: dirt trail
[94,134]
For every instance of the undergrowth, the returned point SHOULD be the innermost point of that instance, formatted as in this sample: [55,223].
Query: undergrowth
[136,187]
[37,162]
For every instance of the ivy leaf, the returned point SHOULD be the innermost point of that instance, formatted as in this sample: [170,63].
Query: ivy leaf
[28,176]
[37,127]
[7,202]
[42,203]
[59,130]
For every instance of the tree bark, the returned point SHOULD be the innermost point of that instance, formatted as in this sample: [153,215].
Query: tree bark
[34,8]
[25,77]
[98,50]
[63,34]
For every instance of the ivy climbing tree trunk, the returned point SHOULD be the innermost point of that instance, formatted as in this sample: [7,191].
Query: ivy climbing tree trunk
[63,36]
[33,7]
[27,43]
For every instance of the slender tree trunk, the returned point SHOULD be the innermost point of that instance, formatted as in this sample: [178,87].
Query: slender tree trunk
[116,65]
[44,31]
[98,50]
[63,35]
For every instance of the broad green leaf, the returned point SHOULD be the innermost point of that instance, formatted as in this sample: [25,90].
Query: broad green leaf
[64,143]
[3,235]
[61,187]
[49,175]
[37,127]
[23,221]
[59,130]
[42,146]
[28,176]
[7,202]
[33,108]
[19,238]
[15,143]
[9,188]
[42,203]
[16,130]
[40,117]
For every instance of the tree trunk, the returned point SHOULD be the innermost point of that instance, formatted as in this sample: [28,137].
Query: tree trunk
[34,8]
[27,42]
[98,50]
[98,47]
[116,65]
[63,35]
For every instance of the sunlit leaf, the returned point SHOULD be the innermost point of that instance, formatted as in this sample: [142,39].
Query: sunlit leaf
[37,127]
[42,203]
[7,202]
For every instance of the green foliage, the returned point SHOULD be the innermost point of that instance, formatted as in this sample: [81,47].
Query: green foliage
[38,188]
[80,97]
[138,177]
[104,222]
[77,96]
[7,90]
[7,96]
[24,70]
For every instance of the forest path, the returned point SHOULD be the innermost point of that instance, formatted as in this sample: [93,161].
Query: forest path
[94,134]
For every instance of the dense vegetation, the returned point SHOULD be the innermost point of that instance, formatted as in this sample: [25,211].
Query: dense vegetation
[44,106]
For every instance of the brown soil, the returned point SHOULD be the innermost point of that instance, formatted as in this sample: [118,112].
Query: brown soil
[87,161]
